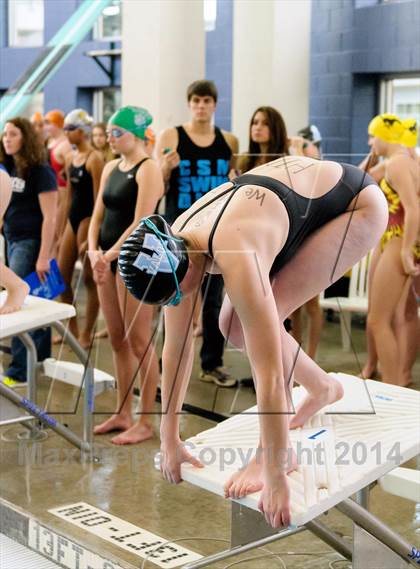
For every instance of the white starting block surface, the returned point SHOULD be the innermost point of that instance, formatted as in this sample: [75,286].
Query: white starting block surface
[402,482]
[372,430]
[73,374]
[35,313]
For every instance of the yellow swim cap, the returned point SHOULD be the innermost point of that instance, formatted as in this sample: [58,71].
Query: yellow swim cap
[410,133]
[388,128]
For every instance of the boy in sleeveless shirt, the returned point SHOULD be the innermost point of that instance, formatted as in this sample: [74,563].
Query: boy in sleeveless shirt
[196,158]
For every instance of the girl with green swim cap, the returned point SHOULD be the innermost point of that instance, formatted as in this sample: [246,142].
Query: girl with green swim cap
[132,119]
[130,189]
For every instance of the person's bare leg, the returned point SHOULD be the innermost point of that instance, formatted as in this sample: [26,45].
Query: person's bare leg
[197,319]
[388,286]
[92,309]
[370,368]
[325,256]
[138,319]
[296,319]
[66,261]
[61,217]
[407,330]
[125,364]
[315,325]
[17,290]
[92,301]
[103,333]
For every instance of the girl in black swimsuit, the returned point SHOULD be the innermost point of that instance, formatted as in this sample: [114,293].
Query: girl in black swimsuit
[83,172]
[278,235]
[131,188]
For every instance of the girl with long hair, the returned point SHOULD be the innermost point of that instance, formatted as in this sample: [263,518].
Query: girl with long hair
[100,141]
[267,139]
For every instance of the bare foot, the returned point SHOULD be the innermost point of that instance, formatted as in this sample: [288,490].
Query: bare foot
[58,340]
[369,372]
[15,298]
[114,423]
[71,327]
[101,334]
[138,433]
[406,380]
[250,479]
[330,392]
[85,340]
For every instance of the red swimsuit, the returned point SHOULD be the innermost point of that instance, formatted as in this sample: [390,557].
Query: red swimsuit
[57,167]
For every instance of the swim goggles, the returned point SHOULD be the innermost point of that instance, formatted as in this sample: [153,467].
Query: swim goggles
[116,132]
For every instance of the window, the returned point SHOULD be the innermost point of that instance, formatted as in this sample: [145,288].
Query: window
[210,15]
[106,102]
[401,97]
[365,3]
[26,23]
[36,104]
[109,25]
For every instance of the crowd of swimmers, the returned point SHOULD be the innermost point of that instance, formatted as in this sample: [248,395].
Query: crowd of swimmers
[74,190]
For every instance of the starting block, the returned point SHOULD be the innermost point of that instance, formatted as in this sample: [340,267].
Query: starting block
[73,374]
[38,313]
[341,451]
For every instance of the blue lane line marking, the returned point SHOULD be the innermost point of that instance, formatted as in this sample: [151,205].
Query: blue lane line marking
[318,433]
[383,397]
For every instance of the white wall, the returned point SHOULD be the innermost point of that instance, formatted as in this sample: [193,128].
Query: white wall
[291,61]
[163,52]
[271,43]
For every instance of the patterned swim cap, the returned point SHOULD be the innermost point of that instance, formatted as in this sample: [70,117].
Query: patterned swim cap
[134,119]
[152,262]
[78,118]
[411,133]
[388,128]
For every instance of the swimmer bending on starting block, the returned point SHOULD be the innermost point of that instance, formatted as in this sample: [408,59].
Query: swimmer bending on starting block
[279,235]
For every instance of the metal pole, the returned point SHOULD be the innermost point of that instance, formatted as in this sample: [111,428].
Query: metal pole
[46,419]
[242,548]
[330,538]
[74,344]
[87,380]
[362,497]
[88,407]
[378,529]
[31,359]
